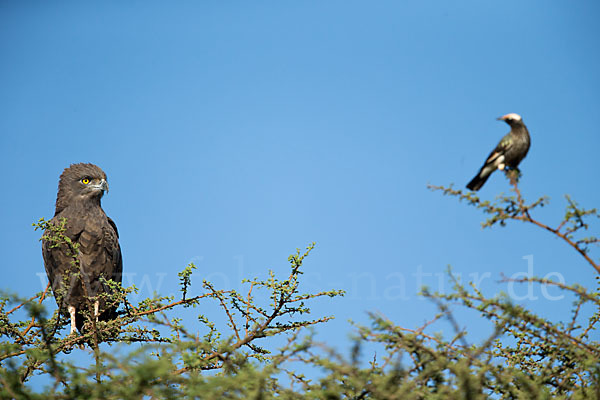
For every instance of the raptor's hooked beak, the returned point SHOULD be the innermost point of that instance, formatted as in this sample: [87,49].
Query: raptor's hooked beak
[103,185]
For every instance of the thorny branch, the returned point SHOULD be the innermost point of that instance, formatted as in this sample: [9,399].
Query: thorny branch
[515,208]
[131,325]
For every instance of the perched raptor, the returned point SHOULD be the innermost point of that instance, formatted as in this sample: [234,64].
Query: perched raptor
[98,254]
[508,154]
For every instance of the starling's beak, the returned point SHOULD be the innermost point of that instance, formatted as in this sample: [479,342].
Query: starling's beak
[502,118]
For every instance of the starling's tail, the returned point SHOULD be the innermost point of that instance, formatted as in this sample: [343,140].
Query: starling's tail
[477,182]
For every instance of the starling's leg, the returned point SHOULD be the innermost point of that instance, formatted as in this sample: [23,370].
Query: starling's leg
[512,174]
[72,314]
[517,174]
[96,308]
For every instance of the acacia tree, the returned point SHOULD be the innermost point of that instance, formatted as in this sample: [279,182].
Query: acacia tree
[527,356]
[172,356]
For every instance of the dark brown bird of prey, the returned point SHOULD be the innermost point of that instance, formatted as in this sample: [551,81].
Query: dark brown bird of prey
[80,188]
[508,153]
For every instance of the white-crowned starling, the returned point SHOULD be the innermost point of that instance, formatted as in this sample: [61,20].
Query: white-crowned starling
[508,154]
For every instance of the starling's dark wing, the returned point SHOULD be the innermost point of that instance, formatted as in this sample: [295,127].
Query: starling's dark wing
[500,150]
[493,161]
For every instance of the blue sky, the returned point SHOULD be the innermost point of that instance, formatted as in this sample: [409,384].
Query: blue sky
[234,132]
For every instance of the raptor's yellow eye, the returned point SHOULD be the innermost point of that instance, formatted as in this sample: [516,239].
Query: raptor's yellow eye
[85,181]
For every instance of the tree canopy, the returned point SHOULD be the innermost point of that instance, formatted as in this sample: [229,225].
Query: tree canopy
[266,348]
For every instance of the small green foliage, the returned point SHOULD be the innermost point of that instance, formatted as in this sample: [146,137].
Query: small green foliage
[507,208]
[526,356]
[171,354]
[185,279]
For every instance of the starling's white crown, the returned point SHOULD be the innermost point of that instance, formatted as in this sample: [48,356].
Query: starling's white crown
[514,116]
